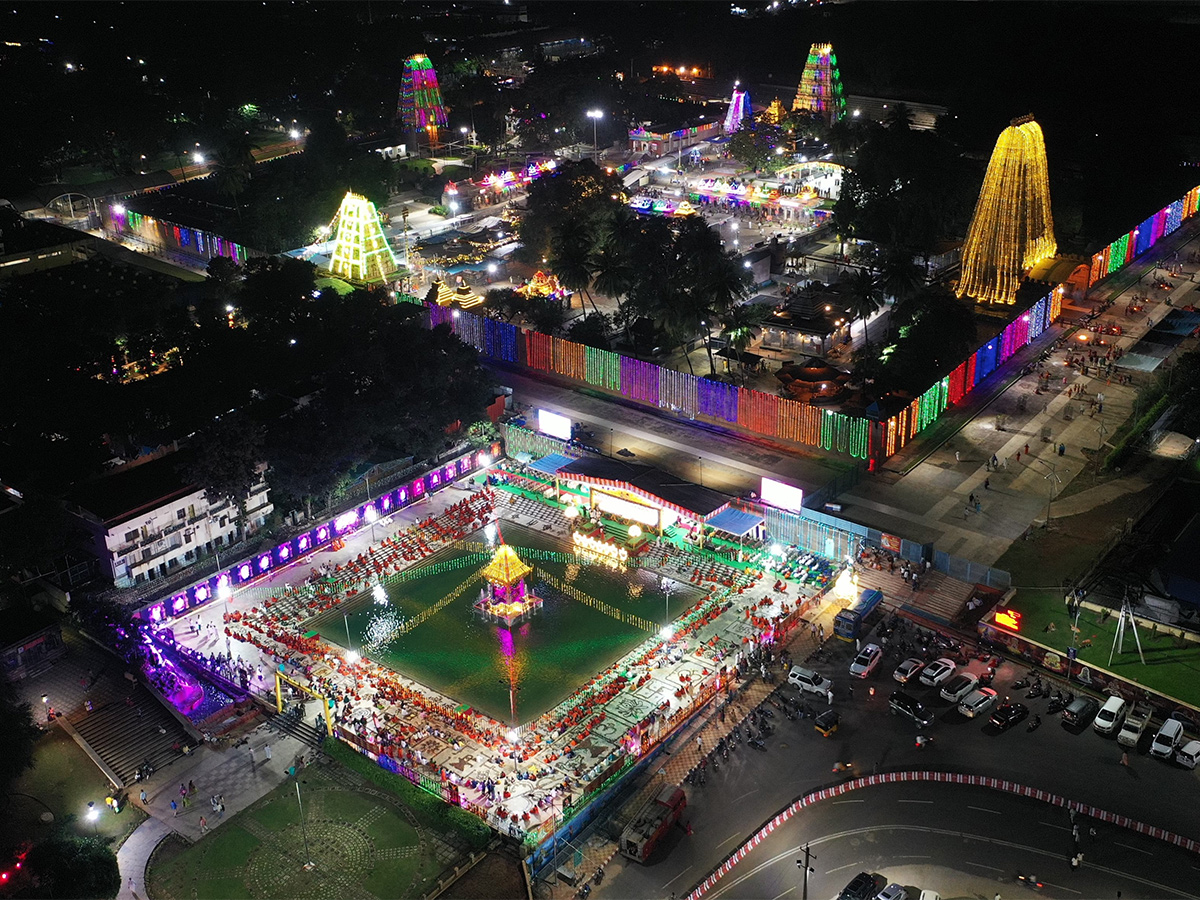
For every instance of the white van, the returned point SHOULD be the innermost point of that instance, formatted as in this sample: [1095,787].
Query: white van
[1167,739]
[1188,755]
[1111,715]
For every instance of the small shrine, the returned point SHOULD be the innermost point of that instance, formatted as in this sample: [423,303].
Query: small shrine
[505,597]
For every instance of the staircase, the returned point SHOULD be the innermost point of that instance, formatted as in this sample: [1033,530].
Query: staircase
[124,733]
[299,729]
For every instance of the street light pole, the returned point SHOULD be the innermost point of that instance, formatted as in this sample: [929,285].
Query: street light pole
[595,115]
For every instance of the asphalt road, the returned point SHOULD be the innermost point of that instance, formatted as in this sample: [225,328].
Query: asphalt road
[960,842]
[752,786]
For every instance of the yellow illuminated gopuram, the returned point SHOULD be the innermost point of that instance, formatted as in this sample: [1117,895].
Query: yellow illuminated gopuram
[1012,229]
[360,251]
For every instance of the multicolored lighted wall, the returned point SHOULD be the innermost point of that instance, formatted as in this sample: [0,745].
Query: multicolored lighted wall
[820,89]
[1012,229]
[174,238]
[755,411]
[1127,247]
[421,106]
[360,250]
[739,109]
[218,586]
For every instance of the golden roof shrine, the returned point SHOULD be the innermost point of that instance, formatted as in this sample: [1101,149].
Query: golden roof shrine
[506,567]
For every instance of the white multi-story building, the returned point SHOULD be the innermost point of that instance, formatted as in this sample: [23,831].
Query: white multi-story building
[147,522]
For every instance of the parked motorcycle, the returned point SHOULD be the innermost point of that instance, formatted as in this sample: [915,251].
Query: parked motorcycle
[1022,683]
[757,744]
[1034,724]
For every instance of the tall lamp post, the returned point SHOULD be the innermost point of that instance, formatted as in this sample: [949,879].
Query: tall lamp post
[595,115]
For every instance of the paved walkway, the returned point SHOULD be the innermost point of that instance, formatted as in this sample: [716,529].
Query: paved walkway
[230,772]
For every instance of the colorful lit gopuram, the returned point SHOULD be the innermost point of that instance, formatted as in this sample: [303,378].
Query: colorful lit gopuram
[360,251]
[739,109]
[421,107]
[820,90]
[1012,229]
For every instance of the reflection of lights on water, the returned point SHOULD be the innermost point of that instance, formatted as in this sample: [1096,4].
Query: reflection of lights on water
[379,593]
[572,572]
[634,589]
[489,531]
[383,627]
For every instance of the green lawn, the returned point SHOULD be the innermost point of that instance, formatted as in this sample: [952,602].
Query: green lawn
[359,839]
[62,782]
[1172,666]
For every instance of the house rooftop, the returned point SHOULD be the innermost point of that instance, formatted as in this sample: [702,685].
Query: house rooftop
[122,496]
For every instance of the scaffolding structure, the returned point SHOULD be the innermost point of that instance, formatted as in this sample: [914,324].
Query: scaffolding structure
[820,90]
[1012,229]
[360,252]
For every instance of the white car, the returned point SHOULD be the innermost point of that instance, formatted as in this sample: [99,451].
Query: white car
[1169,737]
[977,702]
[892,892]
[866,661]
[937,672]
[959,686]
[809,680]
[908,670]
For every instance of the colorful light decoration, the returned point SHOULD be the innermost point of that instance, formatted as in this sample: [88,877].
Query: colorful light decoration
[1128,246]
[1012,229]
[774,113]
[421,106]
[191,241]
[361,252]
[739,110]
[820,88]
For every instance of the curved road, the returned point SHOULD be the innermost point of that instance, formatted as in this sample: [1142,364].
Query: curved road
[960,842]
[752,786]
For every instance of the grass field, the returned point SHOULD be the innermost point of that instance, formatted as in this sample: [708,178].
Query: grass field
[360,840]
[459,653]
[1172,666]
[62,782]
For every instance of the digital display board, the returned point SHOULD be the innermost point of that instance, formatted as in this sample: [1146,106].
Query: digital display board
[554,425]
[782,495]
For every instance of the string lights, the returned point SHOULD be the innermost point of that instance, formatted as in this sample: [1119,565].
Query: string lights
[1012,229]
[421,106]
[1129,246]
[360,251]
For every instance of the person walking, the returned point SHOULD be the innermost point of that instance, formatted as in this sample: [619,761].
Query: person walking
[252,760]
[829,696]
[142,796]
[1125,758]
[267,752]
[191,787]
[957,456]
[987,484]
[203,825]
[174,808]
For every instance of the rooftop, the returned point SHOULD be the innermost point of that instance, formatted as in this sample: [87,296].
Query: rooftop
[698,500]
[120,497]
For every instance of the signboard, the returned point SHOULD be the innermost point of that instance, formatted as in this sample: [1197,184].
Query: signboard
[1008,618]
[784,496]
[554,425]
[889,542]
[626,509]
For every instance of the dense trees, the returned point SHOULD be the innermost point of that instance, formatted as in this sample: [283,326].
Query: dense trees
[69,866]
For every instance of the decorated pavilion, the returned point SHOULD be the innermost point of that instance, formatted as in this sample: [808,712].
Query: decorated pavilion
[505,597]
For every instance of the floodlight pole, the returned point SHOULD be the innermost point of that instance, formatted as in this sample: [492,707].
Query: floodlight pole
[303,829]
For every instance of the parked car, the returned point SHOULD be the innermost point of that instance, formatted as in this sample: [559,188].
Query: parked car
[1188,755]
[902,704]
[908,670]
[959,686]
[1136,721]
[809,680]
[1079,711]
[977,702]
[866,661]
[892,892]
[1111,715]
[1169,736]
[938,671]
[1008,714]
[861,887]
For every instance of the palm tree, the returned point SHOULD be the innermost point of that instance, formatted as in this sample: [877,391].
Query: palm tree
[737,327]
[570,258]
[866,297]
[899,276]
